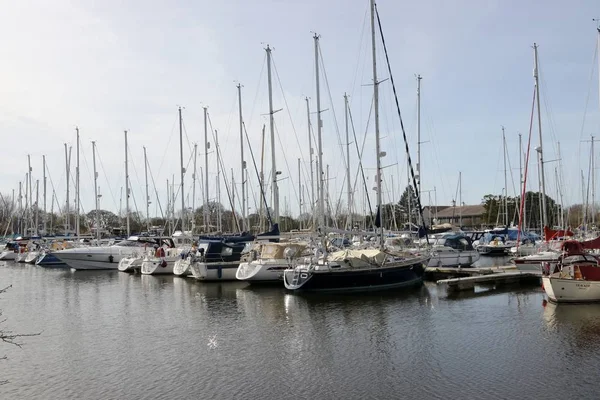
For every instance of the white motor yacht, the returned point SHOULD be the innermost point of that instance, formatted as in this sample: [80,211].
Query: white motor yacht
[104,257]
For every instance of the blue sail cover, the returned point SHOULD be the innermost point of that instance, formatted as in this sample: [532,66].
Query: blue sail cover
[512,234]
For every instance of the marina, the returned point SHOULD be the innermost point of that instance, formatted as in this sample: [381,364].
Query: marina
[391,205]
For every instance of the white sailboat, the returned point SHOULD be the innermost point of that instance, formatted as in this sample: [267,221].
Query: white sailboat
[270,262]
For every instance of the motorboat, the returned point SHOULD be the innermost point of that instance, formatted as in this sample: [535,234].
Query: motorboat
[453,250]
[269,261]
[575,278]
[357,271]
[105,257]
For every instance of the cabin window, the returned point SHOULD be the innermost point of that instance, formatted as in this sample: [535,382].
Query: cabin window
[226,251]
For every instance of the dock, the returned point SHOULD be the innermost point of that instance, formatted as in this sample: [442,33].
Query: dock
[460,279]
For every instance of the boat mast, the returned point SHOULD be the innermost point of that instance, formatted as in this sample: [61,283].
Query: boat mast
[505,179]
[274,172]
[262,177]
[242,162]
[348,183]
[96,188]
[206,212]
[37,201]
[219,221]
[540,148]
[521,200]
[593,185]
[29,191]
[233,199]
[194,188]
[45,216]
[67,162]
[310,157]
[127,188]
[181,171]
[147,195]
[300,193]
[418,135]
[77,206]
[376,108]
[460,199]
[320,183]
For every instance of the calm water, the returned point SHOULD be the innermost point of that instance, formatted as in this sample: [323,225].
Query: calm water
[109,335]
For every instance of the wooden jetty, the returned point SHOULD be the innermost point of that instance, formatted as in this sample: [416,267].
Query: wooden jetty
[459,279]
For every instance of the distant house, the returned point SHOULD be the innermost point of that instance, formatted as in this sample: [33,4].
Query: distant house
[470,216]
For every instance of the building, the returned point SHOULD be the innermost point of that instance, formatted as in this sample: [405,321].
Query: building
[469,216]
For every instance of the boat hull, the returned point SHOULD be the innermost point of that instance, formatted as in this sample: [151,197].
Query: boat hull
[90,261]
[182,267]
[262,271]
[48,260]
[214,271]
[8,255]
[154,266]
[130,264]
[453,259]
[363,280]
[32,257]
[571,290]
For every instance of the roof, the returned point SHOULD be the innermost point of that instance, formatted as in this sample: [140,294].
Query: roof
[465,211]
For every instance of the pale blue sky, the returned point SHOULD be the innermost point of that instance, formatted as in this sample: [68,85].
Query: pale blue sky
[109,66]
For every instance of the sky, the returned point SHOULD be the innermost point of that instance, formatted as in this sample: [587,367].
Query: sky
[111,66]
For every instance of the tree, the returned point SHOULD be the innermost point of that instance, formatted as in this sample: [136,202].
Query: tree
[494,210]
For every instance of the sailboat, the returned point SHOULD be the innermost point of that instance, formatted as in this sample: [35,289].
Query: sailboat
[361,270]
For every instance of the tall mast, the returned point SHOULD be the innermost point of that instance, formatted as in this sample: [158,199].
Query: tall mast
[147,194]
[21,207]
[96,189]
[181,171]
[300,193]
[560,193]
[348,183]
[521,182]
[77,206]
[67,168]
[206,212]
[37,201]
[127,188]
[262,176]
[44,183]
[593,185]
[310,155]
[219,222]
[242,162]
[194,188]
[419,135]
[30,209]
[540,148]
[233,198]
[460,199]
[505,179]
[272,130]
[376,107]
[320,184]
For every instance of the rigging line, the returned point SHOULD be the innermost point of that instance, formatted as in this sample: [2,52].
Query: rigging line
[587,99]
[261,184]
[412,171]
[359,153]
[360,46]
[53,189]
[162,161]
[337,129]
[224,175]
[228,129]
[258,86]
[106,178]
[524,189]
[290,176]
[162,215]
[287,108]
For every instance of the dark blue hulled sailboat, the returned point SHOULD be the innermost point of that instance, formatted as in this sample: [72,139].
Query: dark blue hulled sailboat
[363,270]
